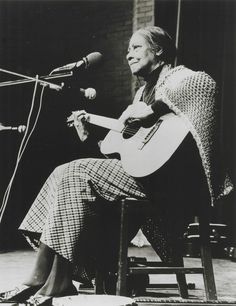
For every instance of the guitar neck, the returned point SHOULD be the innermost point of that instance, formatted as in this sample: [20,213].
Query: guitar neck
[108,123]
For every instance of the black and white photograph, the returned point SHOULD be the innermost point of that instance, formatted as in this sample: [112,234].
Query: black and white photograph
[117,152]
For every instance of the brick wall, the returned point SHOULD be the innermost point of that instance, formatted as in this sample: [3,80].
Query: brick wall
[143,16]
[143,13]
[112,26]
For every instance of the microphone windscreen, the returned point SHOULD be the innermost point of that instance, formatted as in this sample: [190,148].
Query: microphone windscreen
[94,58]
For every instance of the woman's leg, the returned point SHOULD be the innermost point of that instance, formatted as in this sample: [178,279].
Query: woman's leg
[42,266]
[37,278]
[63,211]
[59,280]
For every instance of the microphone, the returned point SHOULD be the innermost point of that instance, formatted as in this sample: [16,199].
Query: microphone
[89,60]
[88,93]
[19,129]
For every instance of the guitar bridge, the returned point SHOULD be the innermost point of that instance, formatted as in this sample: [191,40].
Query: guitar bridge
[150,134]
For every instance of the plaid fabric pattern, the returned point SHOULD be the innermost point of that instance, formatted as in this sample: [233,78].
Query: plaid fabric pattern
[67,201]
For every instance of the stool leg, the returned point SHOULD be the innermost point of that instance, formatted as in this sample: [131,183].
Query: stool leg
[99,280]
[181,280]
[177,257]
[182,285]
[121,288]
[208,273]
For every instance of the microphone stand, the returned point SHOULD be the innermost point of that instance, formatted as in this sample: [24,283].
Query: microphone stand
[40,80]
[27,79]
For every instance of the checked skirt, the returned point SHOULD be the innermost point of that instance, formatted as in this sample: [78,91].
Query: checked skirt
[62,212]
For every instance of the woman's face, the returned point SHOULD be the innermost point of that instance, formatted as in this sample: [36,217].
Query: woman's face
[141,59]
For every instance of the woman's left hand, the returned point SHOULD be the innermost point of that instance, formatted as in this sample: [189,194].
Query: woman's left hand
[138,110]
[80,118]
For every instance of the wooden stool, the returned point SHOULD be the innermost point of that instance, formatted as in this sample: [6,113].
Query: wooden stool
[177,267]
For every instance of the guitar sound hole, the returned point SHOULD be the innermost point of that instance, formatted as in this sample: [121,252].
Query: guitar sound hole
[131,128]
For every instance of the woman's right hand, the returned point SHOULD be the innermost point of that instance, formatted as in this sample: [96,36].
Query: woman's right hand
[136,111]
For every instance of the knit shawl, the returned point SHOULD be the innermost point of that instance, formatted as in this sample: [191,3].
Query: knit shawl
[192,95]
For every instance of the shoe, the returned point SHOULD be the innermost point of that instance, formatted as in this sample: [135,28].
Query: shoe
[86,285]
[38,300]
[19,294]
[45,300]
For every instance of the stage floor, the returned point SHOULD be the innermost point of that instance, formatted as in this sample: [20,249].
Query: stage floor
[15,266]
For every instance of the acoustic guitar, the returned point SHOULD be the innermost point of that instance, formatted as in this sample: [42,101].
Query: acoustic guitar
[143,150]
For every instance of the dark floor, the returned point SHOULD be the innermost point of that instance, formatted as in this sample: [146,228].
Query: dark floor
[15,265]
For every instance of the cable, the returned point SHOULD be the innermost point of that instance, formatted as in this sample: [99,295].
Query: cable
[34,125]
[23,145]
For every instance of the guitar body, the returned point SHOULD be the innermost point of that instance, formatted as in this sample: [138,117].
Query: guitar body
[143,150]
[149,148]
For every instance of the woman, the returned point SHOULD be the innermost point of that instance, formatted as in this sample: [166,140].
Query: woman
[60,220]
